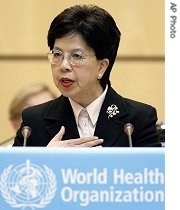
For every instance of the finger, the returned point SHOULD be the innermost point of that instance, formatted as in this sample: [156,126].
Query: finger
[59,135]
[83,140]
[92,143]
[87,142]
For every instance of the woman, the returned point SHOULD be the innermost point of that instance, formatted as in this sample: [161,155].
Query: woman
[83,42]
[30,95]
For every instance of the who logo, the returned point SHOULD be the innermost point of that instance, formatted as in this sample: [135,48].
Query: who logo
[28,185]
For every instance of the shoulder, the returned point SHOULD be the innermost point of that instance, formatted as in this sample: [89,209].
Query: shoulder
[41,109]
[137,105]
[127,104]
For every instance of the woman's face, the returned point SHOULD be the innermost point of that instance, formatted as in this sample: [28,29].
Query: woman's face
[79,82]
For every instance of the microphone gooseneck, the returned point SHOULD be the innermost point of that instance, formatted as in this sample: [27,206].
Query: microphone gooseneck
[26,132]
[128,129]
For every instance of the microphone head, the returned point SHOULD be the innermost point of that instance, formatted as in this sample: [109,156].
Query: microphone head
[128,129]
[26,131]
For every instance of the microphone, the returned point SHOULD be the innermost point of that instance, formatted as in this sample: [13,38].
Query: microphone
[26,132]
[128,129]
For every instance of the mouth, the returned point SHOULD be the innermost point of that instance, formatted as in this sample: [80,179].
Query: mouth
[66,82]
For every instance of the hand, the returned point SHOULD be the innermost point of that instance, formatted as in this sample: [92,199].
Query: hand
[80,142]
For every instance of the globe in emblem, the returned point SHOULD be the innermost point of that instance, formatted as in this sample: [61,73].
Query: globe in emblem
[28,185]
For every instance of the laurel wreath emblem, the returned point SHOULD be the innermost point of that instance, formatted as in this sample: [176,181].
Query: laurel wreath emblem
[42,203]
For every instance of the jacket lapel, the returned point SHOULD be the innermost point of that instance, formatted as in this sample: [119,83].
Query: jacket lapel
[111,128]
[60,114]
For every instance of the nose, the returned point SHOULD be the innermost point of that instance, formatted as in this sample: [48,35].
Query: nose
[65,64]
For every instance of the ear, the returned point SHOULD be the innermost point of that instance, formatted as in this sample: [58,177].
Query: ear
[103,66]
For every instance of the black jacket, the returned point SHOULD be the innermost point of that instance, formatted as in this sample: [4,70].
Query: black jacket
[46,119]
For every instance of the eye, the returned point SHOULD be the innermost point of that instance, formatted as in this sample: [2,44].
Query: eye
[57,54]
[77,56]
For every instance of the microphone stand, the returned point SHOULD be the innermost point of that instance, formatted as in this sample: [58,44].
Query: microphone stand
[128,128]
[130,140]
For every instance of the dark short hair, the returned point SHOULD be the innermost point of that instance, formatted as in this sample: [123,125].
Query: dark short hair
[95,25]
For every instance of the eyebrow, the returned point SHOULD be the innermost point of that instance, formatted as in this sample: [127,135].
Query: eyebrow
[75,49]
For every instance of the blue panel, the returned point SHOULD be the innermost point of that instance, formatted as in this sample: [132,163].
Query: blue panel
[82,179]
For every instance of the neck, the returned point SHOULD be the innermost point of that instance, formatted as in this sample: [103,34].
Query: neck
[87,99]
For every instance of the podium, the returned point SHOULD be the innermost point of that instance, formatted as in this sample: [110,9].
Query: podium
[82,178]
